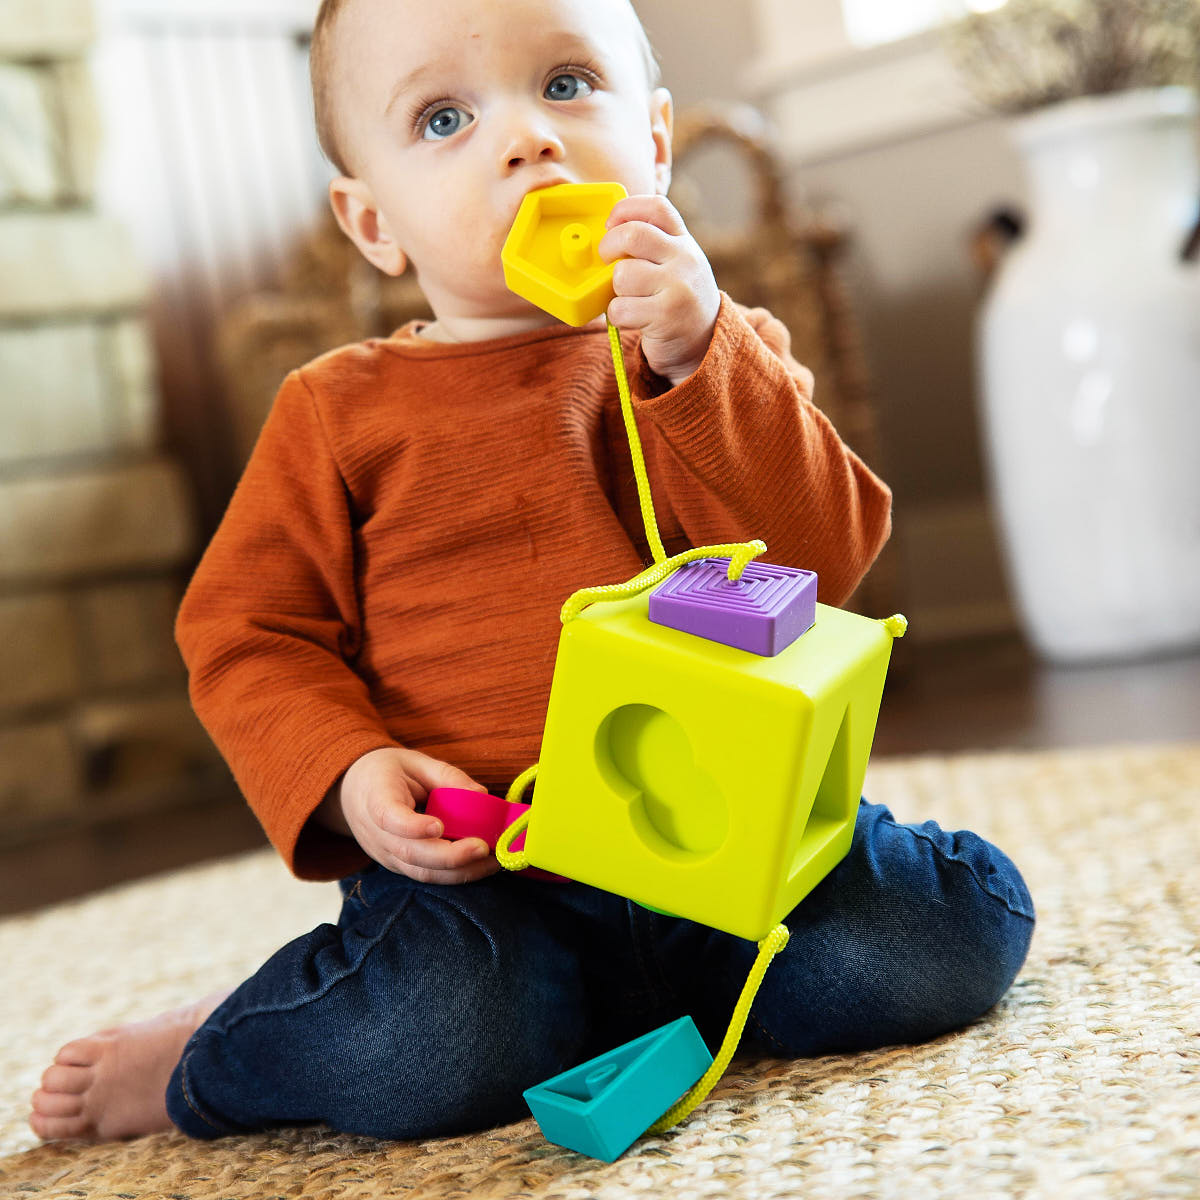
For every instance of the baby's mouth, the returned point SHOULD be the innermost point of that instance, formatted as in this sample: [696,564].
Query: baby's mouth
[545,183]
[539,187]
[516,206]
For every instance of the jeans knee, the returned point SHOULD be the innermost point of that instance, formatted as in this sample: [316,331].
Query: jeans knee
[426,1012]
[916,932]
[447,1085]
[967,918]
[501,1010]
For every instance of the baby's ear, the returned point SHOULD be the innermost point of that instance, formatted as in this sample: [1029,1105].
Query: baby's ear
[357,213]
[662,126]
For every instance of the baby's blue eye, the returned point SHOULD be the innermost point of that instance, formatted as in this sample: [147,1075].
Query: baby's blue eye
[567,87]
[445,122]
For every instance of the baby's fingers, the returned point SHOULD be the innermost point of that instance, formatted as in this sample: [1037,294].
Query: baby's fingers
[636,239]
[400,821]
[441,861]
[654,210]
[440,854]
[635,277]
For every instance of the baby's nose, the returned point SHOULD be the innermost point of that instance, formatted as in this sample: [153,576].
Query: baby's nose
[529,143]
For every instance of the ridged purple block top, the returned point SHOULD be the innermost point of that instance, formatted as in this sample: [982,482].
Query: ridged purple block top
[764,612]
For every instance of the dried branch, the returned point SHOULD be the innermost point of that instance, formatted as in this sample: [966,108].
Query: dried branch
[1032,53]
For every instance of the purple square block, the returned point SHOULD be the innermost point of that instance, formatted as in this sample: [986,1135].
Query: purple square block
[764,612]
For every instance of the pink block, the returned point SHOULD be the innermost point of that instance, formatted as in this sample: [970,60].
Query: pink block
[464,813]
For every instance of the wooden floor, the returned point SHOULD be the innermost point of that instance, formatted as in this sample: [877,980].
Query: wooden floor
[947,699]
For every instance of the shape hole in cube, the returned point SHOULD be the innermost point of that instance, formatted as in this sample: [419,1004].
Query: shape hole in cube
[645,755]
[836,803]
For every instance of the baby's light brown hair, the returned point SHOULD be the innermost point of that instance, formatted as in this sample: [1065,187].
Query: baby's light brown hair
[321,71]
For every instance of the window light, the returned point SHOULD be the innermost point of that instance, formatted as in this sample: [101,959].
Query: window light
[870,22]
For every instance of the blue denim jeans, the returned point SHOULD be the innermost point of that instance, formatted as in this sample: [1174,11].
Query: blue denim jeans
[427,1010]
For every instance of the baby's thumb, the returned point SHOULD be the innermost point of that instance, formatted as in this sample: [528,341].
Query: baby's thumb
[433,773]
[392,777]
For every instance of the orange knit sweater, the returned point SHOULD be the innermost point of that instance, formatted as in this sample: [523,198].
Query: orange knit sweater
[392,562]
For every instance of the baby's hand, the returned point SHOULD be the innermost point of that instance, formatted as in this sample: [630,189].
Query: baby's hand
[663,282]
[378,795]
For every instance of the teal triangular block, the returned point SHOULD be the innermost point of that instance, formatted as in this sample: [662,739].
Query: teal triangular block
[601,1106]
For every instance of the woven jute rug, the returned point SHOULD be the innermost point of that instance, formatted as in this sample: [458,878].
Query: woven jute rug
[1084,1082]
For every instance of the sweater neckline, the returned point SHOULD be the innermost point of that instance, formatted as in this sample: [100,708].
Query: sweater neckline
[407,342]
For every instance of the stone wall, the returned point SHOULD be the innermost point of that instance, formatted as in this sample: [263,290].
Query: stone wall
[96,526]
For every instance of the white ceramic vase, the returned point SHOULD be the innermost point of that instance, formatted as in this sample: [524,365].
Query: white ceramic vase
[1089,352]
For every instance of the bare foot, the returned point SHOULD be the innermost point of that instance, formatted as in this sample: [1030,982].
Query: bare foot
[113,1084]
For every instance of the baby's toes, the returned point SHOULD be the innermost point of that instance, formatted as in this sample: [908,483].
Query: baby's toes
[57,1104]
[50,1128]
[83,1052]
[71,1080]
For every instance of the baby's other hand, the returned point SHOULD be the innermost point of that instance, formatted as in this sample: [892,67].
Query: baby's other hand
[379,794]
[663,282]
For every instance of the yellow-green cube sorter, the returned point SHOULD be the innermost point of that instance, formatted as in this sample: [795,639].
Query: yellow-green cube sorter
[698,778]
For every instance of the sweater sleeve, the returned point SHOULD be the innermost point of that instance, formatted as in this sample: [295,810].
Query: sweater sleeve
[748,455]
[266,627]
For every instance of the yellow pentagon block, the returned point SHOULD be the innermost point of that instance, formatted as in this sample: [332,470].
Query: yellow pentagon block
[550,254]
[699,779]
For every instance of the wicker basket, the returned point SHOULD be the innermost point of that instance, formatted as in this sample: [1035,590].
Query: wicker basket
[795,270]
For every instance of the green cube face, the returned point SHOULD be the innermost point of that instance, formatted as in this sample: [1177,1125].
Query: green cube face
[700,779]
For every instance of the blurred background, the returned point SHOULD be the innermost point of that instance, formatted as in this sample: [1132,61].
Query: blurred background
[936,194]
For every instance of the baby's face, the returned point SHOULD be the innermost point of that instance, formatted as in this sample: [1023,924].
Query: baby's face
[453,110]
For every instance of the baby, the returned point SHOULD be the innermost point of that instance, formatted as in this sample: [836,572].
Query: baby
[377,616]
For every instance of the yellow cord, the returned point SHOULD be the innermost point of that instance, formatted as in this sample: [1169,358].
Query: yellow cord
[509,859]
[739,554]
[767,949]
[513,860]
[635,444]
[517,788]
